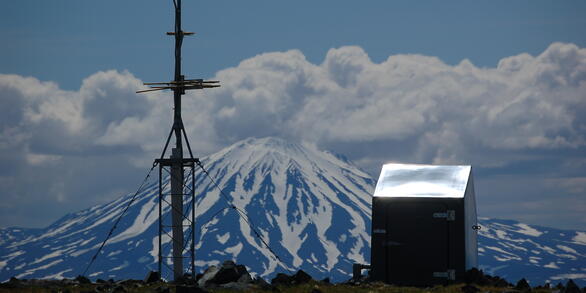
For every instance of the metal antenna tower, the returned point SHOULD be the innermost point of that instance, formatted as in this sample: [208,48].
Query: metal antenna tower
[176,165]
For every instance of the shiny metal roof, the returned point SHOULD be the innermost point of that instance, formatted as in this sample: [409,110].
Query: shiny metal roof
[405,180]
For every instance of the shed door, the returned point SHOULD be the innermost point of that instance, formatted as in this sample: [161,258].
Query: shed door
[416,243]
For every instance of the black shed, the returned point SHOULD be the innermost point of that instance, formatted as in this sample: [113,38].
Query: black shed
[423,224]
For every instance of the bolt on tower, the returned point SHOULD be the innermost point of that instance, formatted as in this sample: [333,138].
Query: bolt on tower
[174,167]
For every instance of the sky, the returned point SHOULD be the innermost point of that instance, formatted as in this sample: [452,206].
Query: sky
[500,85]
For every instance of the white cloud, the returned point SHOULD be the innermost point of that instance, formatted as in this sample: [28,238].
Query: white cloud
[407,108]
[443,111]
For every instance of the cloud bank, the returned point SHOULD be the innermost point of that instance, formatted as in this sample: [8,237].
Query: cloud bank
[523,121]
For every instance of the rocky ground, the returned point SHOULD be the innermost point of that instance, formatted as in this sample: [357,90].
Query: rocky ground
[231,277]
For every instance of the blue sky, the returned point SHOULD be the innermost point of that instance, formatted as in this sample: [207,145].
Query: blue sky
[65,41]
[497,84]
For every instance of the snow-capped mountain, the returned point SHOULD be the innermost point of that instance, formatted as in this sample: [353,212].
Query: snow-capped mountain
[513,250]
[313,208]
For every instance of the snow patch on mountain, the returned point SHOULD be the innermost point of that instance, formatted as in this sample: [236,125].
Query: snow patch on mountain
[540,254]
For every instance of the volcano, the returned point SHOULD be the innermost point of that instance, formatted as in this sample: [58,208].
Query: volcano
[312,207]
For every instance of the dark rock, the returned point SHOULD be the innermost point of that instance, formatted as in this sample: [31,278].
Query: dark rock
[244,274]
[301,277]
[69,282]
[225,276]
[12,283]
[152,277]
[497,282]
[186,279]
[245,279]
[282,279]
[228,264]
[260,282]
[571,287]
[83,280]
[209,274]
[100,281]
[326,280]
[523,285]
[469,289]
[316,290]
[228,273]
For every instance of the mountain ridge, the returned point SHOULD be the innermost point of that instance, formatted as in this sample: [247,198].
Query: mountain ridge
[311,206]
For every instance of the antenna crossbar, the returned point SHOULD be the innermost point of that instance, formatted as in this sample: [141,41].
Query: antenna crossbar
[182,85]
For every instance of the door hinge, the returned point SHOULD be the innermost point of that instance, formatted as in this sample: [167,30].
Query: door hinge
[449,274]
[449,215]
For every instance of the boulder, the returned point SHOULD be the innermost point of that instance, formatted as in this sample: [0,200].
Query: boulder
[12,283]
[497,282]
[301,277]
[260,282]
[152,277]
[245,278]
[209,274]
[282,279]
[186,279]
[83,280]
[198,276]
[571,287]
[229,272]
[523,285]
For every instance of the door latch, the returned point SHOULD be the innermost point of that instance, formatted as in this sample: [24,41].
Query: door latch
[449,215]
[449,274]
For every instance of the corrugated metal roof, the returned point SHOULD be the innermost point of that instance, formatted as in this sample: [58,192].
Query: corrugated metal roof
[409,180]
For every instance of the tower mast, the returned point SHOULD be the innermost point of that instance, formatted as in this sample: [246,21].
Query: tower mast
[177,153]
[176,164]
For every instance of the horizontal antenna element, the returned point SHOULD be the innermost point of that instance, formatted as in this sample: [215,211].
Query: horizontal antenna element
[182,85]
